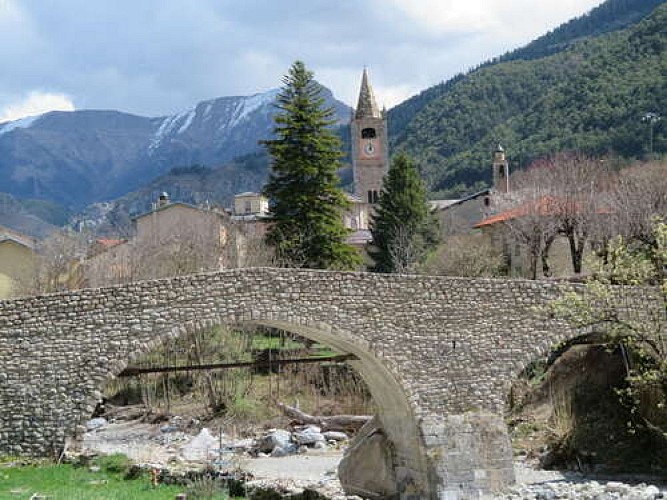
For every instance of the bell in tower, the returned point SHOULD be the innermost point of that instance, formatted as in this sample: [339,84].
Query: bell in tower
[370,154]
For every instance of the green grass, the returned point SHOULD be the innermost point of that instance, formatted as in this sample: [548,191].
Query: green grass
[267,342]
[66,482]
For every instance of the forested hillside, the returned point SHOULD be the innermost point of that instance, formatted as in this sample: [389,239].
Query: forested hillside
[590,96]
[609,16]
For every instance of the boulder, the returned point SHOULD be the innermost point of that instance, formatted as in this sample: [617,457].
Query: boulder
[335,436]
[282,451]
[96,423]
[651,492]
[202,447]
[309,435]
[277,438]
[367,467]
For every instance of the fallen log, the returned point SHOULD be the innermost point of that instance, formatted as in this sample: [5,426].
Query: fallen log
[343,423]
[129,412]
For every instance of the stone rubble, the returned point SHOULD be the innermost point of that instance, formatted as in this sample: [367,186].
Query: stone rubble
[535,484]
[531,484]
[586,490]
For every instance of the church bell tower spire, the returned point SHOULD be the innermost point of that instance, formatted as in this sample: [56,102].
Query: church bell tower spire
[370,151]
[366,106]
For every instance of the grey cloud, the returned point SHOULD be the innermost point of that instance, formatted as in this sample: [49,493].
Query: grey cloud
[154,57]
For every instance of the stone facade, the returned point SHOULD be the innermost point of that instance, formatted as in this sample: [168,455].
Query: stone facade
[17,260]
[438,355]
[370,147]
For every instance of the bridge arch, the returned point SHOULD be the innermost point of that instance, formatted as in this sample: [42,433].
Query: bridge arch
[394,411]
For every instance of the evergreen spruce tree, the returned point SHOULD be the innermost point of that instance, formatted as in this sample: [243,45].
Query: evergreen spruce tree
[402,227]
[307,205]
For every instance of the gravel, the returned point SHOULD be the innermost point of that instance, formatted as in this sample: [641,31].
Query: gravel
[535,484]
[316,469]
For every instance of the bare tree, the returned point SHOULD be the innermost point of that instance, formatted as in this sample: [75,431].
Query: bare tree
[562,195]
[406,250]
[530,221]
[465,255]
[56,264]
[578,184]
[248,248]
[639,196]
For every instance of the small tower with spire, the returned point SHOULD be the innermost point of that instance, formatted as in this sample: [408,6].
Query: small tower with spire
[501,171]
[370,152]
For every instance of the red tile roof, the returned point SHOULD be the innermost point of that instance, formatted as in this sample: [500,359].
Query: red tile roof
[109,243]
[547,205]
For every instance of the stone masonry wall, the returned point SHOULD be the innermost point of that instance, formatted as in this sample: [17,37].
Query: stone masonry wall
[438,355]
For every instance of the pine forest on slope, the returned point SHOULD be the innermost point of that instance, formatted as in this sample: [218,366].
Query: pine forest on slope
[590,96]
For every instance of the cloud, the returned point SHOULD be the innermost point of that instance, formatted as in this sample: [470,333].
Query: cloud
[36,103]
[155,57]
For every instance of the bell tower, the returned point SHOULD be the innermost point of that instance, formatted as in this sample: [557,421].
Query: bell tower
[501,171]
[370,152]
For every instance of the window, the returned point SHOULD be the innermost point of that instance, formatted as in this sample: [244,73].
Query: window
[501,171]
[370,197]
[248,206]
[368,133]
[487,201]
[376,196]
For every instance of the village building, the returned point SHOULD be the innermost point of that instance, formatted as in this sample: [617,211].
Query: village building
[250,205]
[17,260]
[172,238]
[524,227]
[529,258]
[459,216]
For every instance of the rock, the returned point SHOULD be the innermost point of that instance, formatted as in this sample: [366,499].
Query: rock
[169,428]
[283,451]
[616,487]
[242,445]
[308,436]
[335,436]
[366,468]
[201,447]
[96,423]
[651,492]
[277,438]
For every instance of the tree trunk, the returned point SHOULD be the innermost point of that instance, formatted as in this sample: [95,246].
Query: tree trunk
[345,423]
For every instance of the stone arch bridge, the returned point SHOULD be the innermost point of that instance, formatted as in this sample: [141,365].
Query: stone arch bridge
[438,355]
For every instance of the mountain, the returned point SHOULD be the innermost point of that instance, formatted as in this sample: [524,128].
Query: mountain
[35,218]
[571,89]
[195,184]
[80,157]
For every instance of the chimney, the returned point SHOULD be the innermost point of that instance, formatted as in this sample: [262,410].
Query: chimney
[163,200]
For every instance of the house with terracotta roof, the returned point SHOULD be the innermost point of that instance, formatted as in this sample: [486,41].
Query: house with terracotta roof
[530,237]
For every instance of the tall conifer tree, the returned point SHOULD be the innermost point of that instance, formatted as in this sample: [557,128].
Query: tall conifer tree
[402,227]
[307,228]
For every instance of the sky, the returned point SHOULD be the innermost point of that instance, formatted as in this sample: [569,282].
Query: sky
[158,57]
